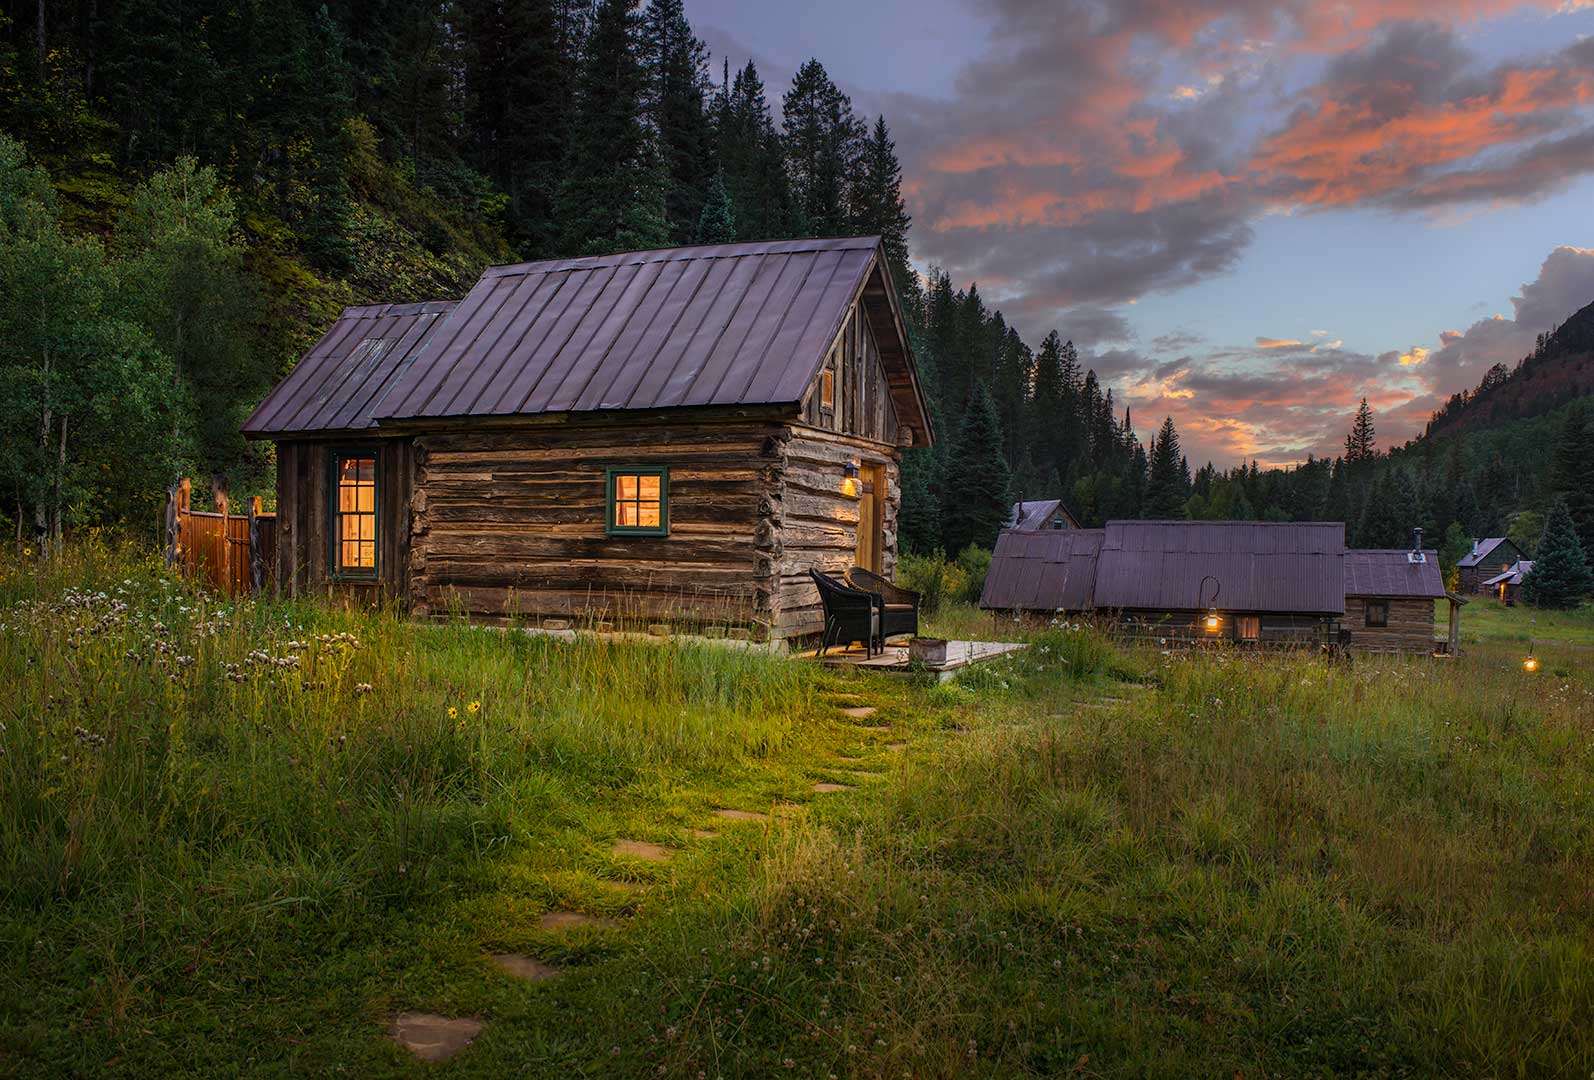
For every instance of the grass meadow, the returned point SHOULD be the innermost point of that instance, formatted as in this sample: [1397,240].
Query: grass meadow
[236,838]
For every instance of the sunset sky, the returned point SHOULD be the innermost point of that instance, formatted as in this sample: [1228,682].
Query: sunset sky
[1246,214]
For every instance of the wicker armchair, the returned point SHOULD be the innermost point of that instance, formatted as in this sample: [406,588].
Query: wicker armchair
[899,608]
[850,614]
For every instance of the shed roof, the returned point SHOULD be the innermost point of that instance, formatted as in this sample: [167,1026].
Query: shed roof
[1294,567]
[1513,576]
[1039,513]
[718,325]
[340,381]
[1390,572]
[1482,549]
[1044,570]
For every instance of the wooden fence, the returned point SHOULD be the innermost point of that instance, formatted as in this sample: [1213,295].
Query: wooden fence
[233,553]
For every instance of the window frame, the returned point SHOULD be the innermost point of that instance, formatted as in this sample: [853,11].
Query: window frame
[1367,615]
[336,457]
[611,476]
[827,387]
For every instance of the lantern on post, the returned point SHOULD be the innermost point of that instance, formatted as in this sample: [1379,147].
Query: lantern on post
[1213,620]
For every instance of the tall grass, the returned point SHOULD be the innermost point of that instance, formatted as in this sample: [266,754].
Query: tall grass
[154,727]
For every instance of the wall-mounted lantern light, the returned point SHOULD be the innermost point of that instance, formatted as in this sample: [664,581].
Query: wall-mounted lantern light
[1213,620]
[849,480]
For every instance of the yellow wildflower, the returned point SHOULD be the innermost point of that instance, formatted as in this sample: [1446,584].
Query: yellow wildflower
[452,712]
[475,706]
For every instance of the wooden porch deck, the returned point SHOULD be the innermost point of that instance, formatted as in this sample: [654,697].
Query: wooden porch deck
[959,655]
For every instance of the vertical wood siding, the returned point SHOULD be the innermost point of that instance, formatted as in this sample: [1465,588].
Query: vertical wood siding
[863,396]
[304,502]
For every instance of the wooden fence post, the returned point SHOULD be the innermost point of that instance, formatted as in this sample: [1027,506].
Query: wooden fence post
[257,561]
[169,548]
[225,581]
[185,490]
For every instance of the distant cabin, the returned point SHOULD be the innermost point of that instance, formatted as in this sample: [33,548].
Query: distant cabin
[1032,515]
[667,436]
[1508,583]
[1244,582]
[1488,558]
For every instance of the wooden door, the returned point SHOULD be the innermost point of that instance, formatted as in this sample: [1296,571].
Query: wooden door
[871,515]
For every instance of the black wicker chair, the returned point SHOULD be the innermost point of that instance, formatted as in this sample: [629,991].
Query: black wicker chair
[850,614]
[899,607]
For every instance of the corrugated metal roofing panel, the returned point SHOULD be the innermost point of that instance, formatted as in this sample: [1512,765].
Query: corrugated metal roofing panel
[1258,566]
[340,382]
[726,324]
[1513,576]
[1390,572]
[1046,570]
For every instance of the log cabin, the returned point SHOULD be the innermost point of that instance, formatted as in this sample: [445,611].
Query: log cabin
[1489,557]
[1245,583]
[671,436]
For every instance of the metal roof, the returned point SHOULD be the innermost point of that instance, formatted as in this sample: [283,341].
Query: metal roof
[1513,576]
[340,381]
[1042,570]
[1293,567]
[1390,572]
[1481,549]
[727,324]
[1038,514]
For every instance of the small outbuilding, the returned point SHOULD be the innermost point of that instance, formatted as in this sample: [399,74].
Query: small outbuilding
[1506,584]
[1032,515]
[1489,557]
[1389,601]
[672,436]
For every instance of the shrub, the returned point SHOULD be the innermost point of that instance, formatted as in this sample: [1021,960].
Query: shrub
[975,562]
[933,577]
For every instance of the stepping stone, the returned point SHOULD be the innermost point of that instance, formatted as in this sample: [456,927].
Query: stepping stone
[827,788]
[523,967]
[860,712]
[628,886]
[705,834]
[431,1037]
[896,746]
[641,849]
[741,815]
[569,920]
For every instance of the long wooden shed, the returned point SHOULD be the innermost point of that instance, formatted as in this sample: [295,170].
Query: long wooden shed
[672,436]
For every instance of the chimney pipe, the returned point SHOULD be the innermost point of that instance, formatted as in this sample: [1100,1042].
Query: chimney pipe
[1417,543]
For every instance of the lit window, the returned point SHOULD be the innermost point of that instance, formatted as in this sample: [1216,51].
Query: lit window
[827,388]
[1377,613]
[639,501]
[1250,627]
[354,515]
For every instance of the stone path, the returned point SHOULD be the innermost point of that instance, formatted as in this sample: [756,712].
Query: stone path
[641,849]
[567,920]
[826,787]
[431,1037]
[522,966]
[860,712]
[741,815]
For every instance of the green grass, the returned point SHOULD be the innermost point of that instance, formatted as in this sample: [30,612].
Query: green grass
[1486,619]
[1086,861]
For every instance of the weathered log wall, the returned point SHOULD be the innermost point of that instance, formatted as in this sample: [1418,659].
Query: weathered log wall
[817,524]
[304,504]
[511,523]
[1410,629]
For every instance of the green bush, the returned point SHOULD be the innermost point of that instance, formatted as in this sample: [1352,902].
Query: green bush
[975,563]
[939,580]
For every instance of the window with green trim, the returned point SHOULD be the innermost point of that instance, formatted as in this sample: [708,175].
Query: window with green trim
[638,501]
[354,514]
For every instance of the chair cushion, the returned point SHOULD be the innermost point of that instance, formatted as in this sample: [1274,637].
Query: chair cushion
[899,607]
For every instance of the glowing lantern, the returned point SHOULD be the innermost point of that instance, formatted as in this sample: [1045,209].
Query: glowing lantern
[1531,664]
[849,480]
[1212,620]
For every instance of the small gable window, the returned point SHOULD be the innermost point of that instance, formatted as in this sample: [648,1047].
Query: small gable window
[827,388]
[354,514]
[638,501]
[1378,613]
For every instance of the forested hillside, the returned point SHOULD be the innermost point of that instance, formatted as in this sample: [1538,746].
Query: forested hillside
[189,194]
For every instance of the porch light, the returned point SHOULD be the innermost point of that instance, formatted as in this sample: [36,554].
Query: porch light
[849,480]
[1213,621]
[1531,664]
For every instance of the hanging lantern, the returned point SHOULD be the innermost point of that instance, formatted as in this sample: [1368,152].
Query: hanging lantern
[1531,664]
[1213,621]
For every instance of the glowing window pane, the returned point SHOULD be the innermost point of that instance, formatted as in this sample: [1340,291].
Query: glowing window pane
[650,488]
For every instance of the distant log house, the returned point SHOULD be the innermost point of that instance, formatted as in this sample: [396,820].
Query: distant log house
[674,436]
[1489,557]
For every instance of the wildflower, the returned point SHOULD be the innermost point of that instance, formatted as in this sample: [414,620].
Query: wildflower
[362,688]
[452,712]
[474,707]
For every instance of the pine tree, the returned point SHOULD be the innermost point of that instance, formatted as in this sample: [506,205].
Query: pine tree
[1167,484]
[878,209]
[717,224]
[612,195]
[919,521]
[753,160]
[1571,473]
[677,67]
[822,148]
[1359,444]
[1560,577]
[975,502]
